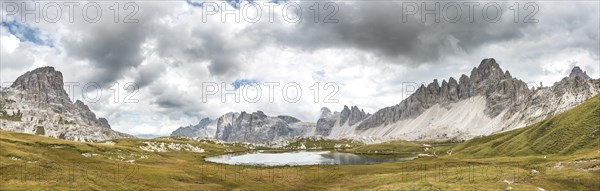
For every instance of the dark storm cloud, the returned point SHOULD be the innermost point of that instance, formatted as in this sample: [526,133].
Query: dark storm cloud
[174,102]
[148,74]
[112,48]
[169,102]
[220,66]
[204,43]
[378,27]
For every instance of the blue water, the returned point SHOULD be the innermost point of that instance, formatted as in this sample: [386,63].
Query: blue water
[301,158]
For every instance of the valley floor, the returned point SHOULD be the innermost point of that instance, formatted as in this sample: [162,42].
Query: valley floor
[30,162]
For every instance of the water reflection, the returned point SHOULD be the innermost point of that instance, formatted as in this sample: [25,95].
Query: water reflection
[301,158]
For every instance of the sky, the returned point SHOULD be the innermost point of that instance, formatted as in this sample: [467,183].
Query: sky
[150,67]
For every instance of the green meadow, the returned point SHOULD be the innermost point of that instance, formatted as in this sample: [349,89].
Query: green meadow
[559,153]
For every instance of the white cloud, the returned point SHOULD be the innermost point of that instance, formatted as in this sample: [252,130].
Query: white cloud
[9,43]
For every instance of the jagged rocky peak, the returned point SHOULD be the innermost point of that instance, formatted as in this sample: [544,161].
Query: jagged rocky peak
[356,115]
[87,116]
[325,122]
[352,115]
[205,128]
[507,74]
[452,89]
[325,112]
[433,87]
[344,114]
[577,72]
[258,114]
[255,127]
[488,70]
[347,117]
[288,119]
[487,80]
[44,85]
[81,105]
[104,123]
[204,121]
[41,80]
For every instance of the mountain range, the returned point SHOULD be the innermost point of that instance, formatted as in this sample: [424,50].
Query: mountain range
[490,100]
[487,101]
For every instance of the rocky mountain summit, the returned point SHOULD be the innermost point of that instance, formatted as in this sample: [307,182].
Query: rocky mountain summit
[206,128]
[37,103]
[348,116]
[577,72]
[256,127]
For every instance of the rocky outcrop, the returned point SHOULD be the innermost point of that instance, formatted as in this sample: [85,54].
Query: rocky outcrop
[561,96]
[206,128]
[577,72]
[288,119]
[43,86]
[325,113]
[253,127]
[104,123]
[347,117]
[37,103]
[325,122]
[352,115]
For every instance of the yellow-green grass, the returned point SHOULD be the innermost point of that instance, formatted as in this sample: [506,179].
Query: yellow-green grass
[565,133]
[392,147]
[46,163]
[559,153]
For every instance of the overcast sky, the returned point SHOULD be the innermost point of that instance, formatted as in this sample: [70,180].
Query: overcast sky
[369,51]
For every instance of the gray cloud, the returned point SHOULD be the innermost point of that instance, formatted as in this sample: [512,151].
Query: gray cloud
[173,102]
[378,27]
[206,43]
[223,65]
[112,48]
[149,73]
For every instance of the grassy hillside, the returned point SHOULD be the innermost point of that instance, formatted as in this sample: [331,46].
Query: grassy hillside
[570,131]
[559,153]
[392,147]
[31,162]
